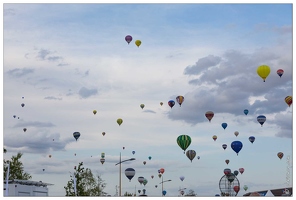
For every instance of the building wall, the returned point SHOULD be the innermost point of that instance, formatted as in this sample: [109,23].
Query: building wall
[26,190]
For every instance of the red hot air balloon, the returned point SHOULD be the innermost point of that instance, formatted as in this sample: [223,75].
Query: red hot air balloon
[209,115]
[280,72]
[236,188]
[241,170]
[161,170]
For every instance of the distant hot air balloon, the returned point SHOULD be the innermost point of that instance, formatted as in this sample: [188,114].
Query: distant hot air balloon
[214,137]
[161,170]
[184,141]
[182,192]
[155,186]
[74,154]
[236,188]
[280,155]
[149,157]
[119,121]
[245,187]
[130,173]
[76,135]
[24,129]
[236,146]
[144,162]
[280,72]
[161,103]
[139,191]
[164,192]
[261,119]
[152,176]
[263,71]
[227,171]
[209,115]
[182,178]
[102,155]
[191,154]
[224,146]
[22,104]
[241,170]
[159,175]
[123,147]
[224,125]
[246,111]
[145,181]
[138,43]
[171,103]
[141,179]
[235,172]
[94,112]
[180,100]
[236,133]
[252,139]
[102,160]
[158,171]
[198,157]
[43,169]
[49,156]
[133,152]
[14,116]
[75,167]
[142,106]
[230,177]
[128,38]
[227,161]
[288,100]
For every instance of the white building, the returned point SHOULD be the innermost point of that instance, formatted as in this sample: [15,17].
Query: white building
[26,188]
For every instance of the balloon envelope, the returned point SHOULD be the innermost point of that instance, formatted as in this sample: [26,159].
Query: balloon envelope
[214,137]
[209,115]
[224,125]
[103,133]
[280,155]
[280,72]
[191,154]
[236,133]
[263,71]
[224,146]
[94,112]
[261,119]
[138,43]
[245,187]
[161,103]
[227,161]
[241,170]
[76,135]
[246,111]
[102,160]
[119,121]
[141,179]
[171,103]
[183,141]
[164,192]
[236,188]
[133,152]
[180,100]
[128,38]
[130,173]
[252,139]
[227,171]
[161,170]
[235,172]
[182,178]
[288,100]
[236,146]
[142,106]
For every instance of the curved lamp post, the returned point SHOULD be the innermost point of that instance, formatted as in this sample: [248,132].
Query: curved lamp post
[121,161]
[162,184]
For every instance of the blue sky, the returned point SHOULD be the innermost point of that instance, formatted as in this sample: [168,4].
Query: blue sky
[67,60]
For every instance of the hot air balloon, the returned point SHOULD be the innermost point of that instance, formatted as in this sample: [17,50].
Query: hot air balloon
[24,129]
[227,161]
[141,179]
[123,148]
[217,195]
[155,186]
[182,192]
[261,119]
[227,171]
[144,162]
[145,181]
[236,146]
[152,176]
[102,160]
[102,155]
[280,155]
[76,135]
[43,169]
[139,191]
[94,112]
[14,116]
[49,156]
[142,106]
[138,43]
[149,157]
[191,154]
[22,104]
[128,38]
[103,133]
[164,192]
[159,175]
[224,125]
[235,172]
[209,115]
[252,139]
[236,133]
[130,173]
[263,71]
[161,103]
[133,152]
[241,170]
[182,178]
[161,170]
[184,141]
[74,154]
[198,157]
[224,146]
[171,103]
[246,111]
[119,121]
[236,188]
[158,171]
[280,72]
[180,100]
[75,167]
[230,177]
[245,187]
[288,100]
[214,137]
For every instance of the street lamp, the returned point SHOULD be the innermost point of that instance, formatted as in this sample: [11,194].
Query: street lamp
[162,184]
[120,170]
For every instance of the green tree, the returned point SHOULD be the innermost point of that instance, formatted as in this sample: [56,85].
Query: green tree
[86,183]
[16,168]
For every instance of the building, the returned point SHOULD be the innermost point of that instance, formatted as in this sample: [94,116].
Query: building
[276,192]
[26,188]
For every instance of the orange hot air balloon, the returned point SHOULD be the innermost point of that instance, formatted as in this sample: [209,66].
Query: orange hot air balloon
[227,161]
[288,100]
[280,155]
[215,137]
[209,115]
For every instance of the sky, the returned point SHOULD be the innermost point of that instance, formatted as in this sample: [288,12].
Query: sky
[65,60]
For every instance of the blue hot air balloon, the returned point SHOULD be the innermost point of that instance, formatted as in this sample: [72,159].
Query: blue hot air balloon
[76,135]
[224,146]
[130,173]
[236,146]
[252,139]
[224,125]
[261,119]
[246,111]
[133,152]
[171,103]
[163,192]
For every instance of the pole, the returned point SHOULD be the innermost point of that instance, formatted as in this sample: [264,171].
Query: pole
[74,179]
[120,175]
[7,177]
[162,185]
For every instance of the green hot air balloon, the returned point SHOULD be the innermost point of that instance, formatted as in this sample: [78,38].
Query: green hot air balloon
[142,106]
[184,141]
[119,121]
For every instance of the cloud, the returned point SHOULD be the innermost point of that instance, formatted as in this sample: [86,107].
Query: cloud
[202,64]
[84,92]
[284,121]
[52,98]
[17,72]
[34,124]
[7,12]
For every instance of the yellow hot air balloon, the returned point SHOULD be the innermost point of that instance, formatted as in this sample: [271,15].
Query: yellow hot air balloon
[119,121]
[138,42]
[263,71]
[94,112]
[288,100]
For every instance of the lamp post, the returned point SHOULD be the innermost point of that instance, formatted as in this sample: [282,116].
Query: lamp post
[162,184]
[120,170]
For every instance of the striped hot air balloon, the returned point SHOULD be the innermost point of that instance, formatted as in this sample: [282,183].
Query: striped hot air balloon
[191,154]
[288,100]
[184,141]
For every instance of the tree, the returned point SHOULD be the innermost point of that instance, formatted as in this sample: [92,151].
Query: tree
[191,193]
[128,194]
[16,168]
[86,183]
